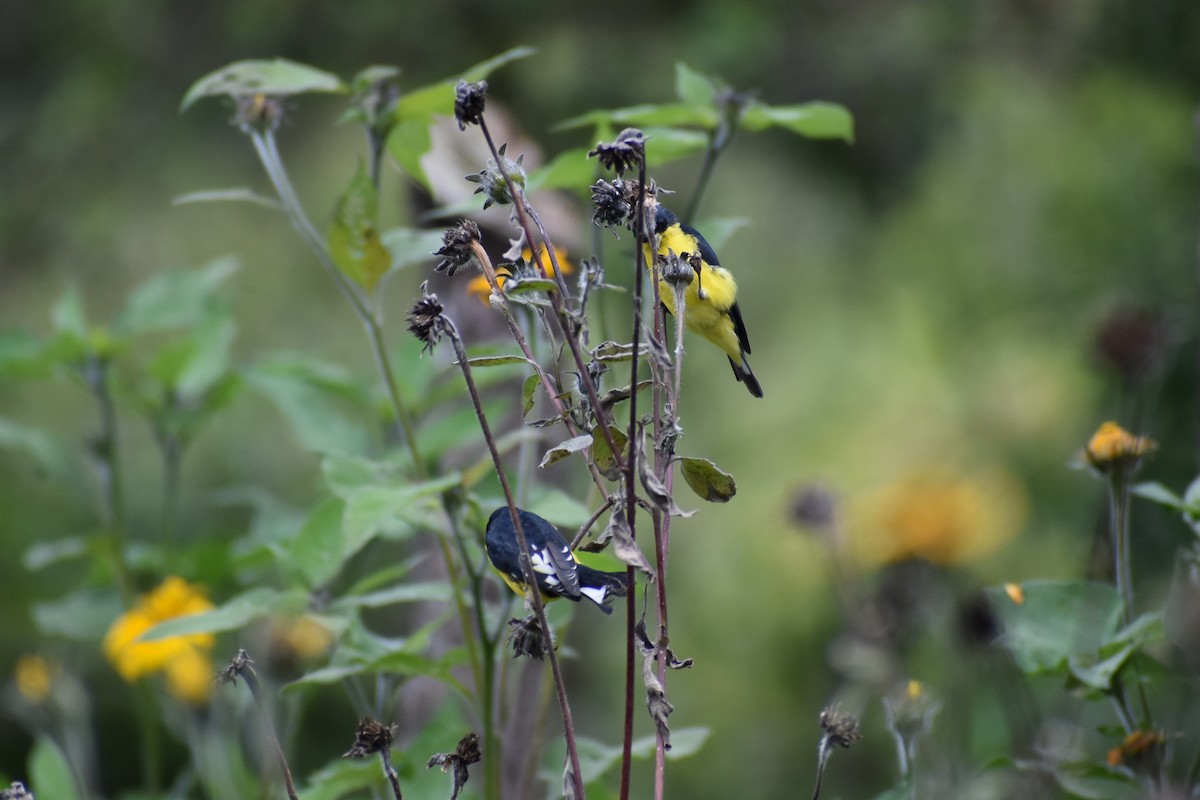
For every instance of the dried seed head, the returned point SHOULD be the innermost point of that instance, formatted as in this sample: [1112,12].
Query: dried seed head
[1132,342]
[370,737]
[466,753]
[840,728]
[16,791]
[469,101]
[492,183]
[258,112]
[612,205]
[456,250]
[628,150]
[814,507]
[525,637]
[425,320]
[237,665]
[679,271]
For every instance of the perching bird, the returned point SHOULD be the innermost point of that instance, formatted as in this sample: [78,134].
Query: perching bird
[558,573]
[711,298]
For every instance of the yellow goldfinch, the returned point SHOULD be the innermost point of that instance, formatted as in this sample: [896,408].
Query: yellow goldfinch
[558,573]
[711,298]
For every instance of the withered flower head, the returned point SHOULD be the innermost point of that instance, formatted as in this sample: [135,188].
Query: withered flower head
[370,737]
[814,506]
[237,666]
[1135,748]
[492,183]
[1114,448]
[466,753]
[626,151]
[839,727]
[258,112]
[456,248]
[425,319]
[526,638]
[16,791]
[679,271]
[1131,341]
[469,100]
[612,204]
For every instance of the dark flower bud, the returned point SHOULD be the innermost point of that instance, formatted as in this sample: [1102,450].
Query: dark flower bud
[369,738]
[425,320]
[525,637]
[469,100]
[492,181]
[456,250]
[626,151]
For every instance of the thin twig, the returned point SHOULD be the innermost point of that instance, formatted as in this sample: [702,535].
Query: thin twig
[534,596]
[242,667]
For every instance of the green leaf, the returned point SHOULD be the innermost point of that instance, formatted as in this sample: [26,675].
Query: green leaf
[49,772]
[354,242]
[561,451]
[44,554]
[604,458]
[647,116]
[317,551]
[1097,783]
[559,508]
[233,615]
[53,457]
[23,355]
[694,88]
[664,145]
[431,591]
[496,361]
[371,508]
[488,66]
[311,395]
[410,140]
[1097,670]
[1056,620]
[707,480]
[240,194]
[409,246]
[570,169]
[84,615]
[816,120]
[174,299]
[528,391]
[67,315]
[277,77]
[1160,494]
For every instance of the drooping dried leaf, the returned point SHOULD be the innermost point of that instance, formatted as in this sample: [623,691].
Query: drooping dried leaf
[561,451]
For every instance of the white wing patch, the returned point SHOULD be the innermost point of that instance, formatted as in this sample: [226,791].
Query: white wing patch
[596,594]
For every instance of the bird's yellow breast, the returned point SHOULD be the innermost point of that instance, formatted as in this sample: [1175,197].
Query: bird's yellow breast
[707,299]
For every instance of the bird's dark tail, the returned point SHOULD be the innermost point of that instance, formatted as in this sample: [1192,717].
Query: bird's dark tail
[601,587]
[745,375]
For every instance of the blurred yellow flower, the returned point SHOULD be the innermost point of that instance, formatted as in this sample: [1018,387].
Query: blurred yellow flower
[301,636]
[944,518]
[479,284]
[1015,593]
[1113,446]
[34,676]
[186,660]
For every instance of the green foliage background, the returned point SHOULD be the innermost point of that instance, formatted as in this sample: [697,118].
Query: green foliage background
[925,296]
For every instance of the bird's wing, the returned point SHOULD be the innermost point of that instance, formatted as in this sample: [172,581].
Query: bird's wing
[554,560]
[739,327]
[706,251]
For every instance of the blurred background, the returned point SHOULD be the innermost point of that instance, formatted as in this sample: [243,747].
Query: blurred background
[941,313]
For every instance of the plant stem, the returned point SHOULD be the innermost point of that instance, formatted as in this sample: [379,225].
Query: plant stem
[268,154]
[104,450]
[534,596]
[390,771]
[630,468]
[247,673]
[1119,522]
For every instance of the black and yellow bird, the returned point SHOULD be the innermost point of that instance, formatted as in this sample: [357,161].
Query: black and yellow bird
[711,308]
[558,573]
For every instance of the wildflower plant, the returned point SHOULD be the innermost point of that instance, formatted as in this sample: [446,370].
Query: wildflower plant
[412,460]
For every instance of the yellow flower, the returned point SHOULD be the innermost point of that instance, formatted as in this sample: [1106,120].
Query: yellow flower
[941,517]
[34,677]
[1113,446]
[186,660]
[302,636]
[479,284]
